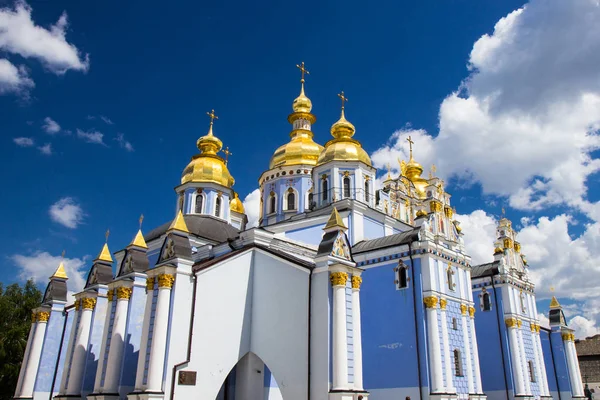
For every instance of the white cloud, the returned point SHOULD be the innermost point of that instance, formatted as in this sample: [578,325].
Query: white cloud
[20,35]
[124,143]
[50,126]
[14,79]
[46,149]
[252,207]
[91,136]
[23,141]
[67,212]
[479,231]
[106,120]
[583,327]
[40,266]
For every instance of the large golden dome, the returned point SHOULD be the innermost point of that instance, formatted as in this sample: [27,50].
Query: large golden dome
[342,147]
[208,166]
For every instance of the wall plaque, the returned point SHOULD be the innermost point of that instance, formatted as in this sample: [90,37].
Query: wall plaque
[187,378]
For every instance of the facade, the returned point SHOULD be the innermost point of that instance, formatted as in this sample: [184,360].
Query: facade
[588,355]
[343,292]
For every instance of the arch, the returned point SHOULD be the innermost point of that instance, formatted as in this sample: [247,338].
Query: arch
[290,200]
[272,203]
[218,203]
[402,276]
[487,304]
[458,367]
[346,186]
[199,203]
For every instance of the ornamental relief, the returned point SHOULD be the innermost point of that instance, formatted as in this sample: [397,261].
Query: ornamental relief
[338,278]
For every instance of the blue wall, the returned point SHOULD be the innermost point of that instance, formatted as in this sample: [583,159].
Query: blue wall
[95,341]
[310,235]
[133,333]
[52,341]
[373,229]
[556,360]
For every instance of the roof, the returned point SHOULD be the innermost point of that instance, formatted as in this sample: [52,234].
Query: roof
[206,226]
[481,270]
[588,347]
[397,239]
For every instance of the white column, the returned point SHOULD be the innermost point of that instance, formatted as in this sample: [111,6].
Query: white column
[26,356]
[576,363]
[81,343]
[71,345]
[511,324]
[35,354]
[538,361]
[446,343]
[574,375]
[524,363]
[477,371]
[159,334]
[358,366]
[433,342]
[117,341]
[340,341]
[98,379]
[139,376]
[465,329]
[538,345]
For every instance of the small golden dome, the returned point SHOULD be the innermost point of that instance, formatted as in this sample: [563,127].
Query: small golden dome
[236,204]
[300,150]
[421,213]
[498,250]
[302,103]
[208,166]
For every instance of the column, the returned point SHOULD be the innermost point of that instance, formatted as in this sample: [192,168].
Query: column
[515,358]
[117,341]
[80,349]
[26,356]
[159,334]
[574,375]
[358,371]
[477,384]
[107,322]
[576,363]
[71,345]
[446,343]
[35,353]
[465,329]
[141,365]
[538,344]
[433,342]
[538,361]
[340,341]
[524,364]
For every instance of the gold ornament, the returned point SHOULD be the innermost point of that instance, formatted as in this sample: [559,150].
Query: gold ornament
[508,243]
[149,284]
[566,337]
[338,278]
[33,319]
[463,309]
[472,311]
[42,316]
[430,302]
[519,323]
[77,303]
[448,211]
[443,303]
[110,295]
[166,281]
[435,206]
[511,322]
[88,303]
[356,281]
[123,293]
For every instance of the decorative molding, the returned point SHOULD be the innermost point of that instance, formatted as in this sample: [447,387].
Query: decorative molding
[356,281]
[110,295]
[338,278]
[568,337]
[519,323]
[150,284]
[33,318]
[430,301]
[42,316]
[511,322]
[88,303]
[77,304]
[166,281]
[443,303]
[124,293]
[463,309]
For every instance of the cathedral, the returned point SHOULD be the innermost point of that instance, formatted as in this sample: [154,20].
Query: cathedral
[345,291]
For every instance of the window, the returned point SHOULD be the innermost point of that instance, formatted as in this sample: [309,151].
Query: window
[402,279]
[487,305]
[367,191]
[454,324]
[346,187]
[450,275]
[531,371]
[272,203]
[324,189]
[218,206]
[458,370]
[310,201]
[199,203]
[291,199]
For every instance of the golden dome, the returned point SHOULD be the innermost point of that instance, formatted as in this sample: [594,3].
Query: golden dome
[236,204]
[498,250]
[421,213]
[302,104]
[208,166]
[342,147]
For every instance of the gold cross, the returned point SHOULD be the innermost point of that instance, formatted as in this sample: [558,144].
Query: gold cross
[63,254]
[344,98]
[410,143]
[212,116]
[503,212]
[227,154]
[141,220]
[389,168]
[302,70]
[106,235]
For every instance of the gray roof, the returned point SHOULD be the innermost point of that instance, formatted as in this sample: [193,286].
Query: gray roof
[481,270]
[398,239]
[206,226]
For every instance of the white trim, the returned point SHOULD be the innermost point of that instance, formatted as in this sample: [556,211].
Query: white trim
[194,198]
[296,199]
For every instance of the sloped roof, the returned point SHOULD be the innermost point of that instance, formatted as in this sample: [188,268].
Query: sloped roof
[206,226]
[488,269]
[397,239]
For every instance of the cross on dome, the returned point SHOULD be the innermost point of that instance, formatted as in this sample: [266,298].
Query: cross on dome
[303,71]
[212,116]
[410,143]
[343,98]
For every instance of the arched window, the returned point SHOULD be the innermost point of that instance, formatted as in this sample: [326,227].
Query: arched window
[346,186]
[367,191]
[199,204]
[454,324]
[402,276]
[291,199]
[531,371]
[324,189]
[272,203]
[487,305]
[218,206]
[458,370]
[450,275]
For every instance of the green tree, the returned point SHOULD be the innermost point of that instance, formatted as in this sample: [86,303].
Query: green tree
[16,303]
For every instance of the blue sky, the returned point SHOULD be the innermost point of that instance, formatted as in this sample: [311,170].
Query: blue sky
[101,111]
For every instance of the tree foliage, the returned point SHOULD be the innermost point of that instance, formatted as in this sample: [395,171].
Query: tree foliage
[16,303]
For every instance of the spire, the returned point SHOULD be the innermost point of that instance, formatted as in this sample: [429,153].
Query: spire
[335,221]
[60,272]
[138,240]
[178,224]
[342,128]
[210,144]
[105,252]
[302,104]
[554,303]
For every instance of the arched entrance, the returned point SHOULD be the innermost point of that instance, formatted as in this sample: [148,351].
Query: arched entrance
[250,379]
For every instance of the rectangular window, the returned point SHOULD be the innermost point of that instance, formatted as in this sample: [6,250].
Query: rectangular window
[531,371]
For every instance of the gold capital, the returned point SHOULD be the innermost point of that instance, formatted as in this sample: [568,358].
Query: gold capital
[356,281]
[519,323]
[166,281]
[88,303]
[472,311]
[566,337]
[123,293]
[443,303]
[42,316]
[110,295]
[77,303]
[33,319]
[463,309]
[338,278]
[149,284]
[511,322]
[430,301]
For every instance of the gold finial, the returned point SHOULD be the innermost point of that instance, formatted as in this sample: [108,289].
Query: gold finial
[554,302]
[105,252]
[335,220]
[62,255]
[227,154]
[389,167]
[343,98]
[432,171]
[139,240]
[503,212]
[303,71]
[106,235]
[212,116]
[179,224]
[410,144]
[60,271]
[141,220]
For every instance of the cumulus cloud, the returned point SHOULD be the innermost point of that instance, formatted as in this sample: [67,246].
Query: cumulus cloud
[39,266]
[20,35]
[583,327]
[124,143]
[479,229]
[50,126]
[23,141]
[67,212]
[46,149]
[91,136]
[252,207]
[14,79]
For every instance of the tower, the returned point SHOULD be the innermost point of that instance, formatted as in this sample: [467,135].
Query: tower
[286,187]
